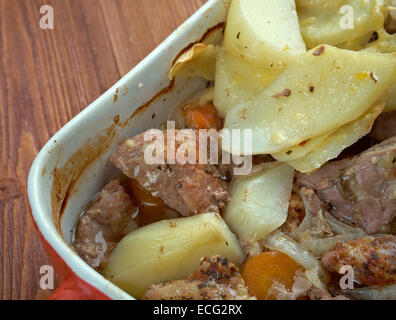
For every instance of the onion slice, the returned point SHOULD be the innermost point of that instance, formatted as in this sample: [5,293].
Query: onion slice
[372,293]
[319,247]
[314,232]
[342,228]
[277,240]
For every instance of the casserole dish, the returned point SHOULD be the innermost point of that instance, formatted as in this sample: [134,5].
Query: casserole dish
[64,175]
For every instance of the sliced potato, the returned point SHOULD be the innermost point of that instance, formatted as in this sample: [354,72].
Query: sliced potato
[320,3]
[169,250]
[321,91]
[386,43]
[390,100]
[301,149]
[237,81]
[265,33]
[259,203]
[199,60]
[320,26]
[338,141]
[319,246]
[390,24]
[358,43]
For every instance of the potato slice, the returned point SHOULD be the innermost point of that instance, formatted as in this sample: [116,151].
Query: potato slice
[386,43]
[265,33]
[390,100]
[321,91]
[301,149]
[169,250]
[357,44]
[320,26]
[391,17]
[338,141]
[259,202]
[199,60]
[237,81]
[319,3]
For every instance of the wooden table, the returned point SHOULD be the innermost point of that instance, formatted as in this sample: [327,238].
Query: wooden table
[46,78]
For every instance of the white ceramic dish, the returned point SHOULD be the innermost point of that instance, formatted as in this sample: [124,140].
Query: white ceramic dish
[72,167]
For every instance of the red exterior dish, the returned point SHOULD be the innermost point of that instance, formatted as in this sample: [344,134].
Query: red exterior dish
[72,287]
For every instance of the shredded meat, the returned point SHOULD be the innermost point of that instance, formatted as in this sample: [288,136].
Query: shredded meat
[360,191]
[251,249]
[217,279]
[190,188]
[373,259]
[302,288]
[295,214]
[307,218]
[103,225]
[318,225]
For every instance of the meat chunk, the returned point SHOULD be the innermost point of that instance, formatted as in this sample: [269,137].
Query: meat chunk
[251,249]
[295,214]
[373,259]
[103,225]
[217,279]
[360,191]
[384,127]
[315,223]
[188,188]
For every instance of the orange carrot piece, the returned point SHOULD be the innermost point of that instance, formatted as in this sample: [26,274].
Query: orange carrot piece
[262,271]
[151,209]
[203,117]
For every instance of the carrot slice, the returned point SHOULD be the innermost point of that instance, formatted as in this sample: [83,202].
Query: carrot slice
[260,273]
[203,117]
[151,209]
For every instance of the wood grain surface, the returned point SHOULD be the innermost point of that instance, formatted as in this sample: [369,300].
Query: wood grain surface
[46,78]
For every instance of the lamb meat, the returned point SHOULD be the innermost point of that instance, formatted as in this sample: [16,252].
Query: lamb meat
[103,225]
[360,191]
[217,279]
[188,188]
[372,258]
